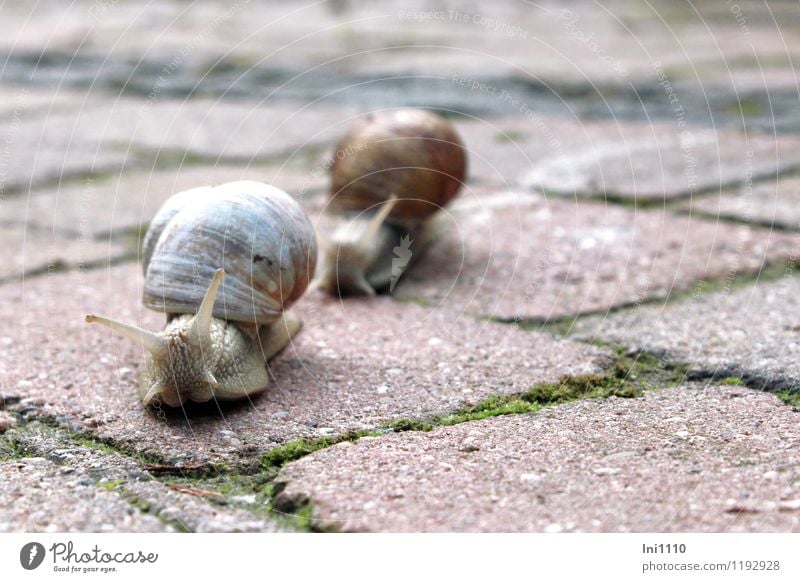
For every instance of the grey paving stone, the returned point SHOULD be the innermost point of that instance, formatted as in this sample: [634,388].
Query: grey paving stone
[688,459]
[518,256]
[752,331]
[356,364]
[37,250]
[72,487]
[665,164]
[772,203]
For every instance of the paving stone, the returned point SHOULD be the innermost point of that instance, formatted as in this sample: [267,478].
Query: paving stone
[772,203]
[664,165]
[36,152]
[687,459]
[517,256]
[101,492]
[40,496]
[206,127]
[753,331]
[95,207]
[347,369]
[98,136]
[29,250]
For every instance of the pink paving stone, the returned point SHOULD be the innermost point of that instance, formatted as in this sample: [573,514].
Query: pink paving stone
[770,203]
[356,364]
[687,459]
[95,207]
[753,331]
[517,256]
[643,161]
[214,128]
[668,163]
[29,249]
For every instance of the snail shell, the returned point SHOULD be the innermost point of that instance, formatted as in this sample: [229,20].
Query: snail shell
[219,335]
[259,235]
[413,154]
[392,173]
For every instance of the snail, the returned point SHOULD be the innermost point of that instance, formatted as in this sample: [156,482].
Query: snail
[393,171]
[257,247]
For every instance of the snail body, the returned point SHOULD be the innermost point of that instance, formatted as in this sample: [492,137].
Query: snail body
[219,336]
[398,170]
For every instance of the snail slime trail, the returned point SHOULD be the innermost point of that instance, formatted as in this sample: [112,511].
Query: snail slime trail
[402,167]
[219,336]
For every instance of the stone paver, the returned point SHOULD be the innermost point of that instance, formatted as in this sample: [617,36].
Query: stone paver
[101,135]
[67,487]
[531,257]
[664,165]
[753,331]
[715,459]
[39,496]
[356,364]
[96,207]
[772,203]
[30,249]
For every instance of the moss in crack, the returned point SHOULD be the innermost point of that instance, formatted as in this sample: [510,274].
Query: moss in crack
[732,381]
[11,448]
[59,431]
[627,374]
[790,397]
[147,508]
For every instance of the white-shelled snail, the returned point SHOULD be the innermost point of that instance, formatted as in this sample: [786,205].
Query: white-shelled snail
[396,170]
[218,337]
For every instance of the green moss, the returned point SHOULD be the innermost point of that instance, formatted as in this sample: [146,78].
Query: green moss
[747,107]
[732,381]
[147,508]
[110,484]
[415,300]
[790,397]
[509,136]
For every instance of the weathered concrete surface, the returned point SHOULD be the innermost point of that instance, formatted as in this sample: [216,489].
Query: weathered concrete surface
[66,486]
[664,164]
[527,256]
[752,331]
[771,203]
[356,364]
[714,459]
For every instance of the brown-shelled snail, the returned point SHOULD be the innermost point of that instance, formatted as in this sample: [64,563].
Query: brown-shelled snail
[396,170]
[218,337]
